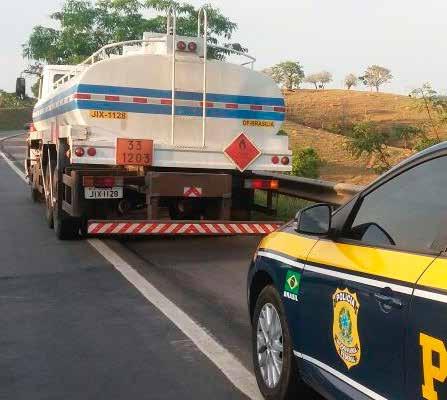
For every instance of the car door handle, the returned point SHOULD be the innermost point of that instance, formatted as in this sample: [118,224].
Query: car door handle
[388,301]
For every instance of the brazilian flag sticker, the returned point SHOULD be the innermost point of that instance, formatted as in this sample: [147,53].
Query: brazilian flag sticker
[292,284]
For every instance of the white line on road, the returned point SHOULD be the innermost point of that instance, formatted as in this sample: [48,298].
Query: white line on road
[14,167]
[232,368]
[226,362]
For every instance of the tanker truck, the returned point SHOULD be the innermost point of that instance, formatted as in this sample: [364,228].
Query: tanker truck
[157,136]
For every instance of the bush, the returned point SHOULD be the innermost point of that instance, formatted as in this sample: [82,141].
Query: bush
[406,133]
[365,139]
[306,162]
[282,132]
[10,100]
[425,142]
[14,119]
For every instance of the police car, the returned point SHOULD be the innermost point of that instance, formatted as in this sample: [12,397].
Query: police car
[353,303]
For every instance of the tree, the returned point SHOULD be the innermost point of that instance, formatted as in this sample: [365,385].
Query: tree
[375,76]
[325,77]
[35,89]
[406,133]
[319,79]
[435,106]
[288,74]
[84,27]
[365,139]
[351,80]
[314,79]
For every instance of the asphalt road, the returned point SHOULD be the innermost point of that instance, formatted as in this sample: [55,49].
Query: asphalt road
[74,328]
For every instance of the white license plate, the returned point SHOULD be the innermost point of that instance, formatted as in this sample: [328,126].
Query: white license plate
[93,193]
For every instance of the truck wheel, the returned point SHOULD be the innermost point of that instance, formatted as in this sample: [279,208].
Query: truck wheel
[35,195]
[273,359]
[48,200]
[65,227]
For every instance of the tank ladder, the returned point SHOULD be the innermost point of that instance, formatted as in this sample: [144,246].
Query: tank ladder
[203,14]
[171,29]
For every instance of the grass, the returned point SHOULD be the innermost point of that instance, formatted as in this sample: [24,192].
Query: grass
[314,115]
[13,119]
[337,110]
[286,207]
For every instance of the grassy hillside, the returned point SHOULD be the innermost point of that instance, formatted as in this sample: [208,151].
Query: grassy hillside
[339,165]
[337,110]
[319,118]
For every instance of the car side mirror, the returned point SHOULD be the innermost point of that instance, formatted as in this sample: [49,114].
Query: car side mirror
[21,88]
[314,220]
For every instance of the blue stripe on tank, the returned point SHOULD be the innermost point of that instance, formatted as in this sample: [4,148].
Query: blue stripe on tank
[166,94]
[161,109]
[181,95]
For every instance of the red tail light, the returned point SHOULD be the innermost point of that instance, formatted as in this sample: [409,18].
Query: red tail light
[275,159]
[79,151]
[91,151]
[267,184]
[181,45]
[192,46]
[285,160]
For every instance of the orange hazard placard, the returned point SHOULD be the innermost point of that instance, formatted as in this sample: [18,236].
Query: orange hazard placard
[242,152]
[134,151]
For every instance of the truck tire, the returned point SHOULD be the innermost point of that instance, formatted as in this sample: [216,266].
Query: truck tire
[48,200]
[35,194]
[36,197]
[65,227]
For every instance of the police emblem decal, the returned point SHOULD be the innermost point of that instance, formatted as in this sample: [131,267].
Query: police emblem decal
[345,330]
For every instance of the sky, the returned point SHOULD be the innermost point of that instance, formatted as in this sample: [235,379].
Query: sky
[343,36]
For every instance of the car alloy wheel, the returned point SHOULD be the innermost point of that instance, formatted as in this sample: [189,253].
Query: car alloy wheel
[269,344]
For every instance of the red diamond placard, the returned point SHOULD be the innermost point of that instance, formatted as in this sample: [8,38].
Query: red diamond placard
[242,152]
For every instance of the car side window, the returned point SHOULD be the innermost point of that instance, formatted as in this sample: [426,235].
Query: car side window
[407,212]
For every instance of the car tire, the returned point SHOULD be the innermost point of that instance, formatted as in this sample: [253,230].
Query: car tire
[289,384]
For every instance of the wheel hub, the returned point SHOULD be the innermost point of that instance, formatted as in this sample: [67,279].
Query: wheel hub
[270,345]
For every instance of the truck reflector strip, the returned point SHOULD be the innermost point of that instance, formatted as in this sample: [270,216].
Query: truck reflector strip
[111,98]
[232,105]
[255,107]
[216,104]
[192,191]
[140,100]
[180,228]
[82,96]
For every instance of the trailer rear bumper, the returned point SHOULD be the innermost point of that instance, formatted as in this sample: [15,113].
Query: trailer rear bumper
[194,228]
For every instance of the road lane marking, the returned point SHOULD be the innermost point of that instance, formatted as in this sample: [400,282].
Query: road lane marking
[9,162]
[14,167]
[225,361]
